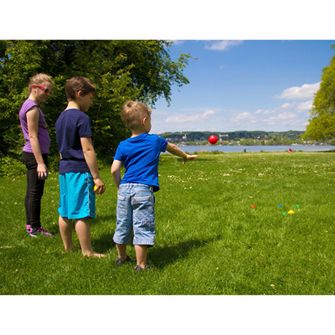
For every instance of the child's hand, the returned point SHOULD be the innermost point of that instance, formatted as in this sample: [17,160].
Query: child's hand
[189,157]
[99,186]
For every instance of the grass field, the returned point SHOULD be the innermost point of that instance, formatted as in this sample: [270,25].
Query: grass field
[220,230]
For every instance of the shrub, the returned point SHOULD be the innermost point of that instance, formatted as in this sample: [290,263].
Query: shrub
[11,167]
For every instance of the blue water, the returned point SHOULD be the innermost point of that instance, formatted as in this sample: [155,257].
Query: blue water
[255,148]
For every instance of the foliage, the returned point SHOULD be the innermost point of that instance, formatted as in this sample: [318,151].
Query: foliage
[11,167]
[322,123]
[121,70]
[210,239]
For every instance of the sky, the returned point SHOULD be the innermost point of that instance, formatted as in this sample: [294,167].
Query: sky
[244,85]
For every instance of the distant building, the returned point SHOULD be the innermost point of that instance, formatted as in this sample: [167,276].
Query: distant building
[223,136]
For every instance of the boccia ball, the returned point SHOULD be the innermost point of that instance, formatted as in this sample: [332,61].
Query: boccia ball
[213,139]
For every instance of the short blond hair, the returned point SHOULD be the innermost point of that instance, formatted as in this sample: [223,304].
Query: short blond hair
[132,114]
[39,78]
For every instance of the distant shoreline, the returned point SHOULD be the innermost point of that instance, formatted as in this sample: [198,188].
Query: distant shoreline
[257,148]
[242,137]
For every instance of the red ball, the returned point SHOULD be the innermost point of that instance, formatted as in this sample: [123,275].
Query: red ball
[213,139]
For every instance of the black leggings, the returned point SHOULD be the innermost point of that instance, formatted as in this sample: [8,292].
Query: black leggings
[35,189]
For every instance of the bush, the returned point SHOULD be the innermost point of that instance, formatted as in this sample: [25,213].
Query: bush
[11,167]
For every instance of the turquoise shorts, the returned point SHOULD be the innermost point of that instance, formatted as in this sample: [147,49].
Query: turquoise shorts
[76,195]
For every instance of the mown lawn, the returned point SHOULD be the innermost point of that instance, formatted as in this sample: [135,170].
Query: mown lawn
[222,228]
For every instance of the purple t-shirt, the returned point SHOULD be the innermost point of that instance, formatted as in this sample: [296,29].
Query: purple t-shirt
[71,125]
[43,135]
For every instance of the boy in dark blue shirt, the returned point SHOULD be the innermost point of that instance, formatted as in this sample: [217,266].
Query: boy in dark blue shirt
[78,169]
[135,205]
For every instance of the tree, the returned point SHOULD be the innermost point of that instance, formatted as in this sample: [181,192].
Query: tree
[121,70]
[322,124]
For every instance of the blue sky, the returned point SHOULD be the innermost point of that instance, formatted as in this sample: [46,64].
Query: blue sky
[244,85]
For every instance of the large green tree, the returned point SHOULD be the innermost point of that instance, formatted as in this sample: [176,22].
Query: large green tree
[321,126]
[121,70]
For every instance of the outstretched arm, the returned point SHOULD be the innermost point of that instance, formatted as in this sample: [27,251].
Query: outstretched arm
[174,150]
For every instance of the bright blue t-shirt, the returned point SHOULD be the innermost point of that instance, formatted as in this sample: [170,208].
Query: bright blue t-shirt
[71,125]
[140,156]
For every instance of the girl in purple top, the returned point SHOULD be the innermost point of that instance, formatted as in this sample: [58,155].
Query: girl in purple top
[35,150]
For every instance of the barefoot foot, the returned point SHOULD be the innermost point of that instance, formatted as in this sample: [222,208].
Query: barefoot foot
[94,254]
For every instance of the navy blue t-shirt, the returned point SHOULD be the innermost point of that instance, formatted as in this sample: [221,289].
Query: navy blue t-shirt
[140,155]
[71,125]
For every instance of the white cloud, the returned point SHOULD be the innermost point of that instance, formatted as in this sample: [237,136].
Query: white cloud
[306,91]
[181,118]
[177,42]
[268,120]
[244,117]
[288,115]
[264,117]
[264,111]
[297,106]
[286,105]
[284,118]
[305,106]
[222,45]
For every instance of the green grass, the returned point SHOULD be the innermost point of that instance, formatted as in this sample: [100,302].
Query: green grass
[209,239]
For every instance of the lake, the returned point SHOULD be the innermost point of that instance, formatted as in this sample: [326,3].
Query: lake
[255,148]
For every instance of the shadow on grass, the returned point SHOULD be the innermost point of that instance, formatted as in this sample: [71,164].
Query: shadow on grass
[163,256]
[104,243]
[108,217]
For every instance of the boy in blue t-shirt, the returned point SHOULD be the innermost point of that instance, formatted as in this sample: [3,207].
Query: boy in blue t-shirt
[135,204]
[78,169]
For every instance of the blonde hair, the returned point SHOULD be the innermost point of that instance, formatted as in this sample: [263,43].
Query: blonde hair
[39,79]
[132,114]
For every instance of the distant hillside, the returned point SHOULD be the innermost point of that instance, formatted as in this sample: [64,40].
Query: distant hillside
[243,136]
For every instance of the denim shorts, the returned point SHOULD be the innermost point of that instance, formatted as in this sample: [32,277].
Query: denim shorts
[135,214]
[77,198]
